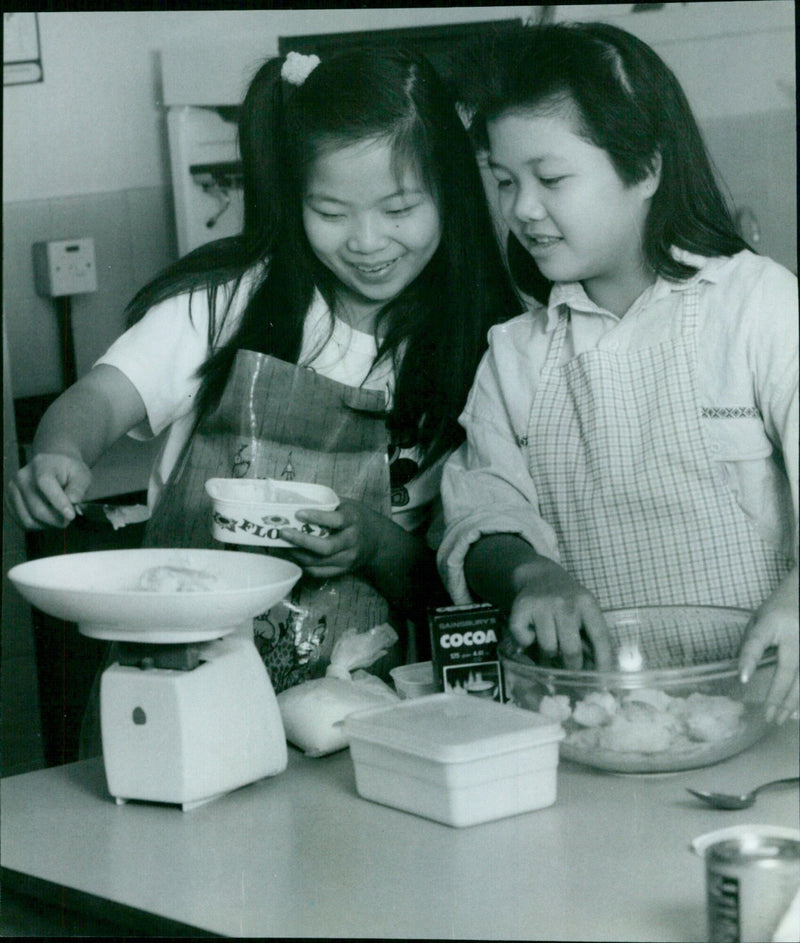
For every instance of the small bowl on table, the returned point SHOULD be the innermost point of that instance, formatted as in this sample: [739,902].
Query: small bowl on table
[414,680]
[254,510]
[683,706]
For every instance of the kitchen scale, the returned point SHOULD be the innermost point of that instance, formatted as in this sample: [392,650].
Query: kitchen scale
[187,709]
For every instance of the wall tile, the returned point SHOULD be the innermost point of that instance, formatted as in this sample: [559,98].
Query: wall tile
[154,241]
[756,155]
[134,238]
[97,318]
[31,325]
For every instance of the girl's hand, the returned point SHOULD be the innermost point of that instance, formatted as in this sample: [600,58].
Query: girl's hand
[350,544]
[552,608]
[44,492]
[775,622]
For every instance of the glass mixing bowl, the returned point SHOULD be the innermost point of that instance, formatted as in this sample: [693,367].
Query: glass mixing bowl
[672,709]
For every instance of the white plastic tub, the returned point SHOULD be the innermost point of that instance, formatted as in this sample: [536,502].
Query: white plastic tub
[414,680]
[253,510]
[456,759]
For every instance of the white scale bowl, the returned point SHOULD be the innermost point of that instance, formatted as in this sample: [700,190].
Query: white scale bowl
[99,591]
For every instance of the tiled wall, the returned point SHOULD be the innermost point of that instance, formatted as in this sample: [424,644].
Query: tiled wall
[757,157]
[134,236]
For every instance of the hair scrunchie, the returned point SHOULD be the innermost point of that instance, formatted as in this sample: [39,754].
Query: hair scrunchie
[297,67]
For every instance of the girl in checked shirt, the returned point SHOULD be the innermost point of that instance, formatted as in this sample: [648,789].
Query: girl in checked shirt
[631,440]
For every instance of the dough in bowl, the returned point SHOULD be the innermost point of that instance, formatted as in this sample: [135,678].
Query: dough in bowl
[178,579]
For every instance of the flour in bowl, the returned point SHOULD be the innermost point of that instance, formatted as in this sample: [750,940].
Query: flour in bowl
[178,579]
[650,721]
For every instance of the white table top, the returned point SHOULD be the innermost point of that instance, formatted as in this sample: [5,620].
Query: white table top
[301,854]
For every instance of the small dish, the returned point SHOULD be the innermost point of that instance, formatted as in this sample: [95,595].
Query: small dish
[253,510]
[415,680]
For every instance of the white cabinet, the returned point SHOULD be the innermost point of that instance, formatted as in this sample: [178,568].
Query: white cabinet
[206,175]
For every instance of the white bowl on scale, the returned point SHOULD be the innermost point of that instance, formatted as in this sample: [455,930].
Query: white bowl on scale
[101,591]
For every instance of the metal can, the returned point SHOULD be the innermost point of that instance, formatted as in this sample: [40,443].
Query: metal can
[750,882]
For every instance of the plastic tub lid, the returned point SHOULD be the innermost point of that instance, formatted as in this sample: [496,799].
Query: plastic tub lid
[453,728]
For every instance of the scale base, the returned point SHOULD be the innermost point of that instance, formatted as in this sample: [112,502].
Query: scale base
[186,737]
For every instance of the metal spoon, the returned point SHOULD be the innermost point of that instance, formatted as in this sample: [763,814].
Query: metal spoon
[721,800]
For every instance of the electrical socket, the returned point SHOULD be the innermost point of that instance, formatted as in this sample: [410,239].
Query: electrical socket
[64,267]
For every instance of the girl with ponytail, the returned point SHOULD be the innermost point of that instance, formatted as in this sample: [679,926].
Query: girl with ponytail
[333,340]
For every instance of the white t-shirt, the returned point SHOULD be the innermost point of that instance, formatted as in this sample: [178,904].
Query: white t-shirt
[162,352]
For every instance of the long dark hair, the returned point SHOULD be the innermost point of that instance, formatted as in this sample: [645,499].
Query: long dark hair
[440,321]
[629,104]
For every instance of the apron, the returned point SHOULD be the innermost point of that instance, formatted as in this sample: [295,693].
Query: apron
[620,462]
[278,420]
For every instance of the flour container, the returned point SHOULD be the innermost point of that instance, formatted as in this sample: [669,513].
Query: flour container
[456,759]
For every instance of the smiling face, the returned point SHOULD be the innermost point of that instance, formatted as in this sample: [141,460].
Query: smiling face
[376,231]
[563,199]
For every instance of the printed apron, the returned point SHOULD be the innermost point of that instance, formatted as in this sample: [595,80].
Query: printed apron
[277,420]
[622,468]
